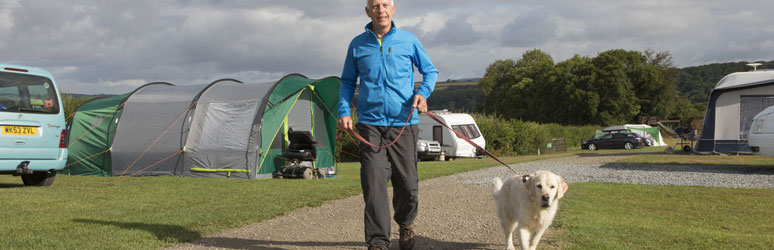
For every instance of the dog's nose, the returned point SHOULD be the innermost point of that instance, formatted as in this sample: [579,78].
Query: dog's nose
[545,197]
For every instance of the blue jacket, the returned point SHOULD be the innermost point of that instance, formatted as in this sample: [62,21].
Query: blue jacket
[386,75]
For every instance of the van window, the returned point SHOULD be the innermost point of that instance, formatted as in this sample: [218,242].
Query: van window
[27,94]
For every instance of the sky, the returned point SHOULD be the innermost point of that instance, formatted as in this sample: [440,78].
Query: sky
[115,46]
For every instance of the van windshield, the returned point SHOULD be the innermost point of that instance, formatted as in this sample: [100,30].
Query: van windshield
[27,94]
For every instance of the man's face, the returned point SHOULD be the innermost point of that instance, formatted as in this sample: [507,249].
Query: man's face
[380,12]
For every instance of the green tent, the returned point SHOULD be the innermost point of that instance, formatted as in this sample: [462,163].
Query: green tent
[650,133]
[301,104]
[91,131]
[224,129]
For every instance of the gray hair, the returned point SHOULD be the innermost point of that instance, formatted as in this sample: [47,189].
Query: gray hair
[391,2]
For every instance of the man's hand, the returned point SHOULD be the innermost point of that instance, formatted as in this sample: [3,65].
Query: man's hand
[420,103]
[344,123]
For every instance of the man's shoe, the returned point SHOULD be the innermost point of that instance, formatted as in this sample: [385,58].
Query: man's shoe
[407,237]
[377,247]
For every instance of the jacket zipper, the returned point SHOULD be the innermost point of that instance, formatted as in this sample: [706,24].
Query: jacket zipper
[384,80]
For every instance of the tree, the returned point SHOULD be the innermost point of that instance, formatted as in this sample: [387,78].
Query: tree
[535,91]
[576,101]
[494,86]
[516,89]
[617,100]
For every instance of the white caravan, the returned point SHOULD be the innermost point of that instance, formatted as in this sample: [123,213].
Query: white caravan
[761,136]
[454,146]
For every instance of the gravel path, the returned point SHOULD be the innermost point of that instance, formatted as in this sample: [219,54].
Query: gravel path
[457,212]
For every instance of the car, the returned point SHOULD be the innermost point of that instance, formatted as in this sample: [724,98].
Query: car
[33,134]
[612,141]
[428,150]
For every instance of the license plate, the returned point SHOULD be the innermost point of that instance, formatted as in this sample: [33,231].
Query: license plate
[20,130]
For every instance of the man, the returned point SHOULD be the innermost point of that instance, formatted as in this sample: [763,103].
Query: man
[383,57]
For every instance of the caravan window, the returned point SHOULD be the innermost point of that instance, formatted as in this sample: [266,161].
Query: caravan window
[468,130]
[473,131]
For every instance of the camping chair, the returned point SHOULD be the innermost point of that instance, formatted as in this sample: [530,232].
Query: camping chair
[301,148]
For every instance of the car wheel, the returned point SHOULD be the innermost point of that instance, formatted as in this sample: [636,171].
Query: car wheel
[40,179]
[592,147]
[628,145]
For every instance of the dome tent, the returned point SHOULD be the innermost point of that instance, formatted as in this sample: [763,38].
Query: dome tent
[224,129]
[91,130]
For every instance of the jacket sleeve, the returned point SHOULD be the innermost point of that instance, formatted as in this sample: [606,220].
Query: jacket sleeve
[426,68]
[348,79]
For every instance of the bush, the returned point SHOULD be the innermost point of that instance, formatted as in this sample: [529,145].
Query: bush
[508,137]
[503,137]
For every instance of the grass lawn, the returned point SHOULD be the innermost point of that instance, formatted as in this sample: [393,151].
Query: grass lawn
[618,216]
[80,212]
[685,159]
[85,212]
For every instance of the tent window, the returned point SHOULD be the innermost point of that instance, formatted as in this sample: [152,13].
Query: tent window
[226,126]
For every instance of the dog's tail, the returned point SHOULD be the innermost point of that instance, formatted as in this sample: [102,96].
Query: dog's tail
[497,184]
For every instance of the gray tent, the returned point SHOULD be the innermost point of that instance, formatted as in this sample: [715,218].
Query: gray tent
[224,129]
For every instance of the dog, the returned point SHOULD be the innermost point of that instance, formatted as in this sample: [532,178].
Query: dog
[527,204]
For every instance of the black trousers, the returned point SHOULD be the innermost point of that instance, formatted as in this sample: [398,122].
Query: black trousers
[398,164]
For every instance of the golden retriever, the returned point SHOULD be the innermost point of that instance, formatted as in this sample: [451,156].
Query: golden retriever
[527,204]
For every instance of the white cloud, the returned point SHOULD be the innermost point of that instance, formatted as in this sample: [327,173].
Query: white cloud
[111,46]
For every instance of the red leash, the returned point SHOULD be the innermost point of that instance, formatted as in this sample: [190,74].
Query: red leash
[393,142]
[468,140]
[439,122]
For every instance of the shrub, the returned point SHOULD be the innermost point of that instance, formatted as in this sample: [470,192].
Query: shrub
[508,137]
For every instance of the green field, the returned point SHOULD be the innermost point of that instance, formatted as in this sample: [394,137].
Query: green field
[80,212]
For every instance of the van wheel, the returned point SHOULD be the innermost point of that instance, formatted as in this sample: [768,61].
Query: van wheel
[40,179]
[592,147]
[628,145]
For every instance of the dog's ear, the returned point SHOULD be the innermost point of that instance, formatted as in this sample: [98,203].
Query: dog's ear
[562,188]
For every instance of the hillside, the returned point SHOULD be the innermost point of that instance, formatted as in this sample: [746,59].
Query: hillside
[456,95]
[695,84]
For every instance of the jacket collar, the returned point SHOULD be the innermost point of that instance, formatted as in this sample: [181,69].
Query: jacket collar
[371,25]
